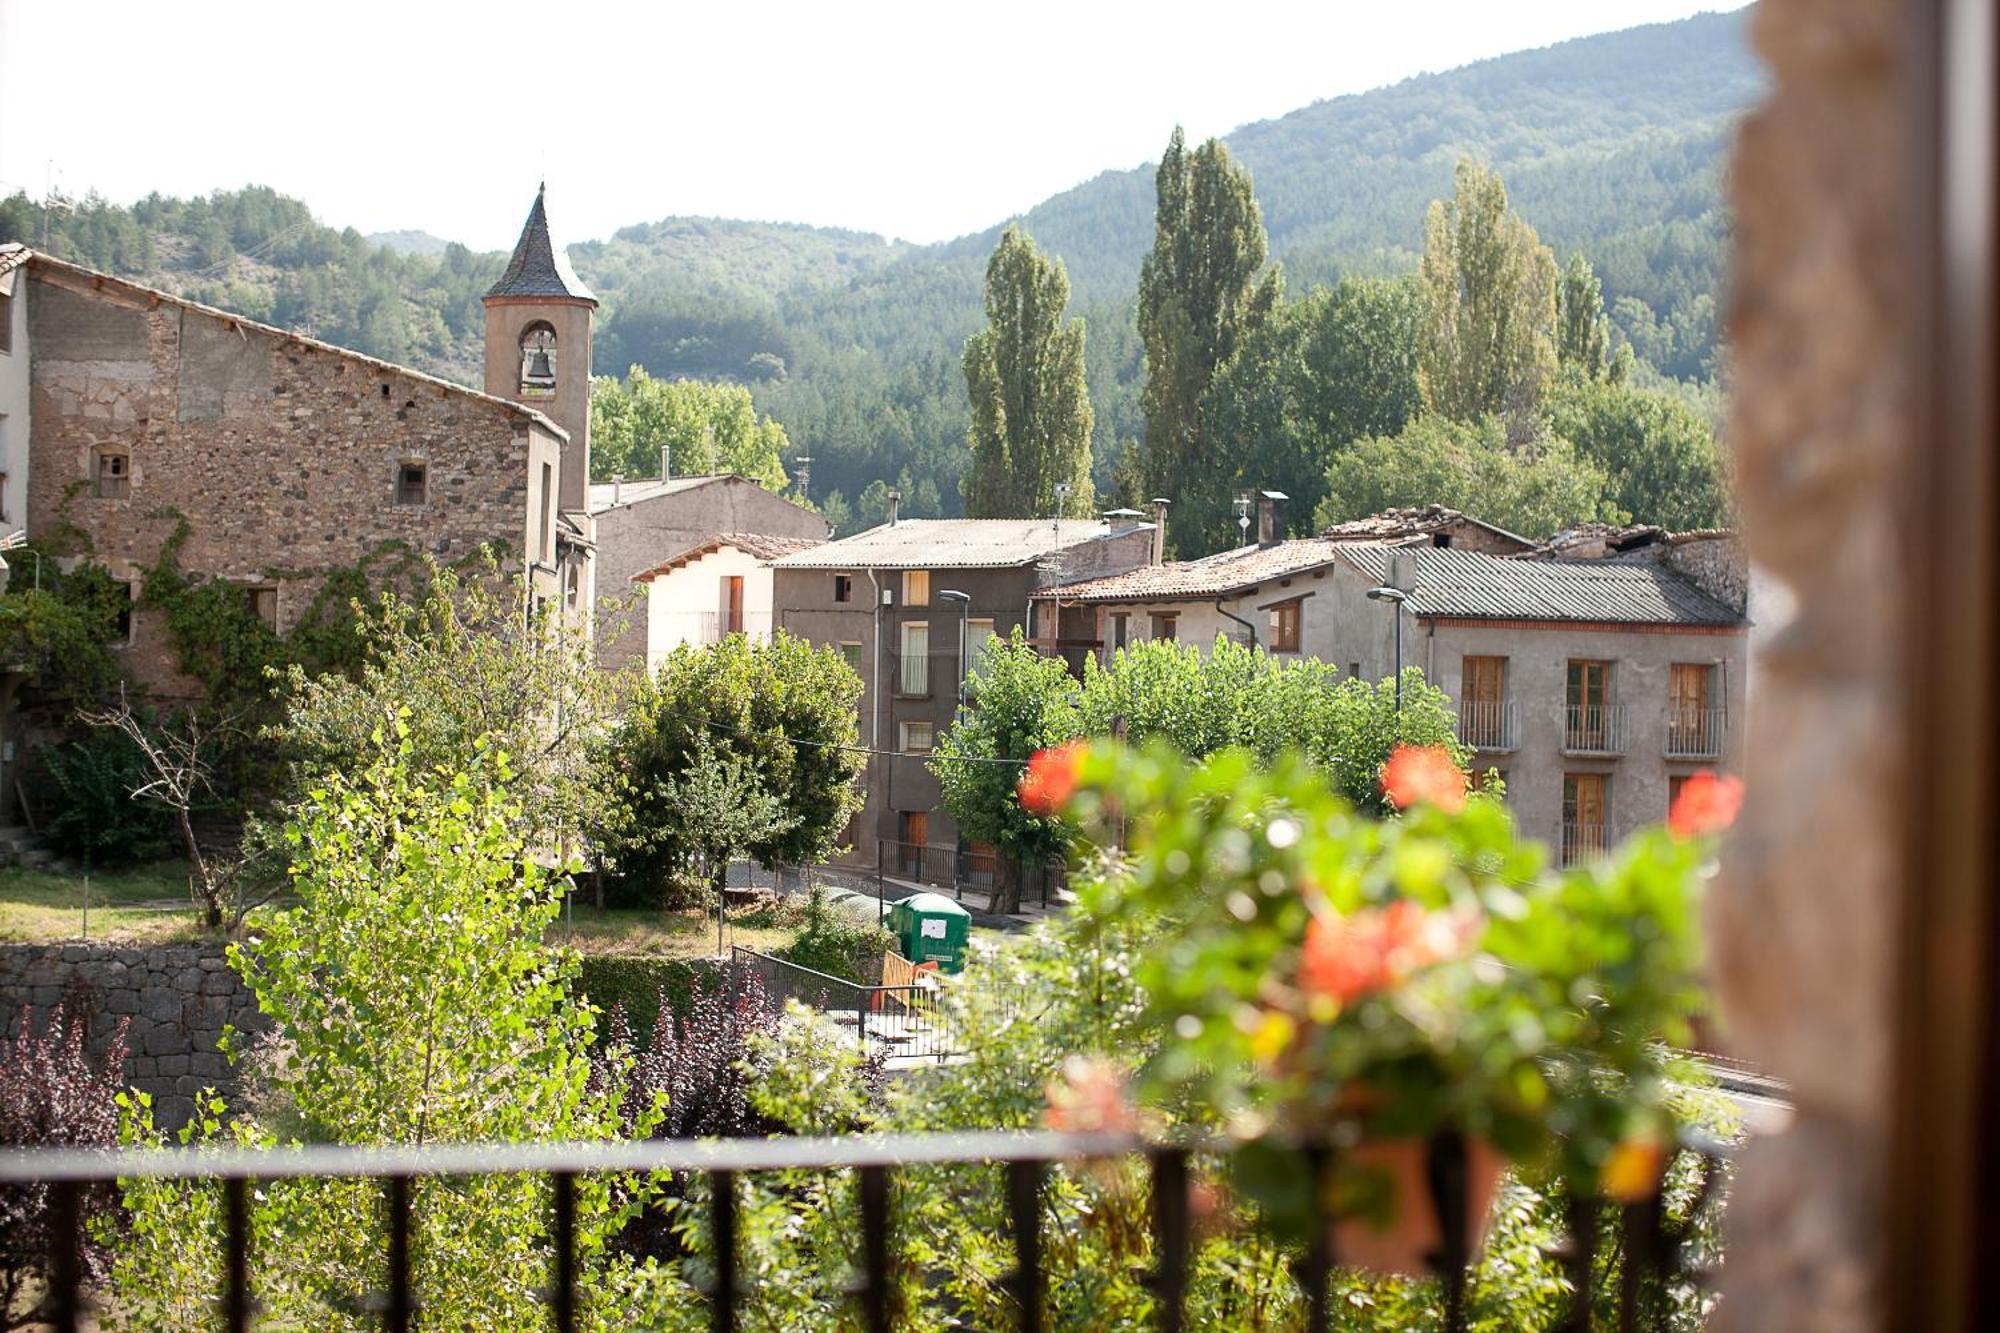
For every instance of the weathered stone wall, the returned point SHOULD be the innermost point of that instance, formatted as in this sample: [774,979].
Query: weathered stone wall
[1804,922]
[282,454]
[177,997]
[1716,564]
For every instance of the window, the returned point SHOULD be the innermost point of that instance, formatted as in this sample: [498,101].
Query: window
[1482,703]
[7,323]
[262,602]
[548,511]
[1166,625]
[916,587]
[1694,724]
[121,625]
[1120,627]
[843,587]
[573,587]
[3,476]
[914,678]
[114,474]
[1354,671]
[977,632]
[1583,827]
[1591,721]
[850,653]
[538,360]
[732,604]
[916,738]
[1675,781]
[412,483]
[1285,618]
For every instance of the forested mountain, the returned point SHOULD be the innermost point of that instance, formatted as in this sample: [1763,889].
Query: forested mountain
[1612,144]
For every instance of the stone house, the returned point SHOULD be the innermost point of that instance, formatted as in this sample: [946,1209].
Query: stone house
[644,524]
[128,413]
[896,600]
[715,588]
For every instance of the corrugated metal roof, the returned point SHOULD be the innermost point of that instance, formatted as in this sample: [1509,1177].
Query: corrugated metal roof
[1486,587]
[1210,576]
[955,543]
[649,488]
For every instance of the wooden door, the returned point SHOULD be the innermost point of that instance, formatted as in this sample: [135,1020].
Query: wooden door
[1483,697]
[1583,830]
[732,600]
[1589,694]
[1687,707]
[916,832]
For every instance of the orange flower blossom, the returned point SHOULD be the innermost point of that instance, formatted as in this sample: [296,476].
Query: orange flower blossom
[1050,779]
[1424,773]
[1707,804]
[1375,948]
[1089,1098]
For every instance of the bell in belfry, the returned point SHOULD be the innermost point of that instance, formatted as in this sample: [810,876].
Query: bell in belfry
[538,365]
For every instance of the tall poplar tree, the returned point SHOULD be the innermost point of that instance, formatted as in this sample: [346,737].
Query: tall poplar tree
[1199,295]
[1031,416]
[1487,344]
[1583,334]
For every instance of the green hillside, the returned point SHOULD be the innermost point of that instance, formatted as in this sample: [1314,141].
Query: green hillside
[1611,144]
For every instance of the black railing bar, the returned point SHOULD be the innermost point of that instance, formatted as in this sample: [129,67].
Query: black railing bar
[873,1287]
[722,1206]
[563,1198]
[236,1273]
[401,1307]
[779,1154]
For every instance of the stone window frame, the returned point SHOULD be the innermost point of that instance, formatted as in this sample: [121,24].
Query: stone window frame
[121,473]
[400,491]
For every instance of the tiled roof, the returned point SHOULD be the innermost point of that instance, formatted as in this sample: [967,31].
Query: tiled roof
[1393,525]
[1485,587]
[760,545]
[1210,576]
[954,543]
[539,267]
[12,255]
[631,492]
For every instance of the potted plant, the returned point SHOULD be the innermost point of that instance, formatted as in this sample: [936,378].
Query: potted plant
[1387,1011]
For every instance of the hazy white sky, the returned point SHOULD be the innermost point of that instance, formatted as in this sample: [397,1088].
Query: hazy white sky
[918,120]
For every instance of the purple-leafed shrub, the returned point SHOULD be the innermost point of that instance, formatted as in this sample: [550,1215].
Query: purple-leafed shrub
[51,1096]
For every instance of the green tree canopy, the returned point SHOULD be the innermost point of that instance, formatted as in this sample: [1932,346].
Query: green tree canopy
[1321,373]
[708,428]
[1469,466]
[1199,294]
[1583,332]
[1660,454]
[1031,419]
[1489,285]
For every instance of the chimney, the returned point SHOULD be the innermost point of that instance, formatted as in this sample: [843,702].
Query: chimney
[666,462]
[1160,503]
[895,506]
[1271,517]
[617,485]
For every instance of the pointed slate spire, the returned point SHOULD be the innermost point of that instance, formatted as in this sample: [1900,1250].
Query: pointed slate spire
[538,267]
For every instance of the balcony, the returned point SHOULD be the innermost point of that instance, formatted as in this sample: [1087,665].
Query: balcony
[1696,733]
[1582,842]
[1594,729]
[1487,725]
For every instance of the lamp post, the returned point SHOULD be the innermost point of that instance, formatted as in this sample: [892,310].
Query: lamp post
[964,601]
[1396,597]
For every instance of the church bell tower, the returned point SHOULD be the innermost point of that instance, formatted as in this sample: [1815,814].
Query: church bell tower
[538,345]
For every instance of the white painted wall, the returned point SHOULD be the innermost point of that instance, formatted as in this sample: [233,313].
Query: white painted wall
[14,407]
[689,604]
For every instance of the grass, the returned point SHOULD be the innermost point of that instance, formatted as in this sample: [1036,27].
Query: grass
[686,934]
[145,904]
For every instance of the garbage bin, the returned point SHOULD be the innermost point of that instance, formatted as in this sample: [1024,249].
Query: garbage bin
[930,927]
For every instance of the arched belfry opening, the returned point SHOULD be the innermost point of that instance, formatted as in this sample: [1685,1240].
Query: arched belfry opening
[538,359]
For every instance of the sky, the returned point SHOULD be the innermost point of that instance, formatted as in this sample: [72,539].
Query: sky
[920,121]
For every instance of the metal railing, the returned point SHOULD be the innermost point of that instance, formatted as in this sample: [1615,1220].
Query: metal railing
[1653,1251]
[961,868]
[1582,842]
[911,1021]
[1696,733]
[1487,724]
[1594,729]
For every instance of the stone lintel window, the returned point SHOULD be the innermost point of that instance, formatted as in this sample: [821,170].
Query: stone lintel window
[538,360]
[111,473]
[261,601]
[412,482]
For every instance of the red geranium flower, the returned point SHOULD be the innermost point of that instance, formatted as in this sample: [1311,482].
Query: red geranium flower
[1373,949]
[1050,779]
[1424,773]
[1707,804]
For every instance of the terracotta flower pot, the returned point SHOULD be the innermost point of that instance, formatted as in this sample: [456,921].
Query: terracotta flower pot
[1386,1215]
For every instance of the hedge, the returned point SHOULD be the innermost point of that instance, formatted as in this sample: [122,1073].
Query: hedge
[637,981]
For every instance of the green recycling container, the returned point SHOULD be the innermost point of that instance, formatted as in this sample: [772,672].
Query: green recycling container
[930,927]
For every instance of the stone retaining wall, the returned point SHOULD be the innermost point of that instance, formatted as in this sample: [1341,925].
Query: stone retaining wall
[178,998]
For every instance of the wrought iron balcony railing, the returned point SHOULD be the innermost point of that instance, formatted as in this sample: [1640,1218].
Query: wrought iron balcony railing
[1594,729]
[1652,1247]
[1696,733]
[1487,724]
[1581,842]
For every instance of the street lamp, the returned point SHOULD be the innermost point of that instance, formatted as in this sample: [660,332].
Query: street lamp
[1397,597]
[964,600]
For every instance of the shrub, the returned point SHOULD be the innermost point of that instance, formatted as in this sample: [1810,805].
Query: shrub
[639,986]
[97,818]
[834,943]
[51,1097]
